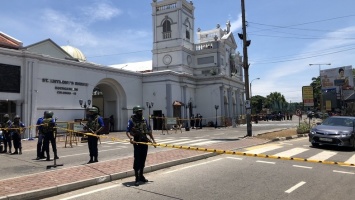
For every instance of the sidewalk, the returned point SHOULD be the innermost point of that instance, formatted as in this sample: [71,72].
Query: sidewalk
[58,181]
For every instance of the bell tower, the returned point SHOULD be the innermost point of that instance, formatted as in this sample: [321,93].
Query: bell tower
[173,35]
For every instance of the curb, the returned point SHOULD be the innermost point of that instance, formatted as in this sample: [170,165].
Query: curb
[289,137]
[61,189]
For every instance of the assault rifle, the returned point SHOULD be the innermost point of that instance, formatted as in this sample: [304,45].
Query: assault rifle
[86,127]
[141,135]
[93,132]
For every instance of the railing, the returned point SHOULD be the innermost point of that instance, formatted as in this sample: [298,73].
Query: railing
[210,45]
[166,7]
[166,35]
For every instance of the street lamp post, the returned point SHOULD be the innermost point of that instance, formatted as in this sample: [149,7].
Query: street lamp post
[320,77]
[216,107]
[84,105]
[250,86]
[149,105]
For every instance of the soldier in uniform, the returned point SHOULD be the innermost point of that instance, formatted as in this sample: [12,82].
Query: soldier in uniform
[94,125]
[17,130]
[39,132]
[137,131]
[48,129]
[6,133]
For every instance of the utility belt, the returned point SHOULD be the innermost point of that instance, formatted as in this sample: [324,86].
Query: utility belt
[140,137]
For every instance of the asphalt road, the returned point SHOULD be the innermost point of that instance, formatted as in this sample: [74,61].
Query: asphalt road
[232,177]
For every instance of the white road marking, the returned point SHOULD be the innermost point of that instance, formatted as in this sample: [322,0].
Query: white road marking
[351,160]
[295,187]
[291,152]
[93,191]
[342,172]
[324,155]
[204,143]
[190,141]
[171,140]
[263,149]
[192,166]
[300,166]
[266,162]
[285,143]
[235,158]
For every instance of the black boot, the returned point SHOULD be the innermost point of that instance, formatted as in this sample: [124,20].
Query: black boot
[42,155]
[91,160]
[10,151]
[48,157]
[136,174]
[95,159]
[16,152]
[141,177]
[5,151]
[20,152]
[55,155]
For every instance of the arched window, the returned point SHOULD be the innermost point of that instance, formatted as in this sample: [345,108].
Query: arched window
[166,26]
[188,26]
[166,29]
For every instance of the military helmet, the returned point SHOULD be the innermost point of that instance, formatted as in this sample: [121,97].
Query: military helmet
[136,108]
[17,117]
[49,114]
[94,110]
[6,116]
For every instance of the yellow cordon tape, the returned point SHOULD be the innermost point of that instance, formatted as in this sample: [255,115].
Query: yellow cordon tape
[218,151]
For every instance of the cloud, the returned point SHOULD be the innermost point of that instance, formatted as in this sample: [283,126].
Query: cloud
[100,11]
[237,24]
[68,28]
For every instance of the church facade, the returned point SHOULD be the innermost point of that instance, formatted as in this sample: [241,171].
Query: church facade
[186,77]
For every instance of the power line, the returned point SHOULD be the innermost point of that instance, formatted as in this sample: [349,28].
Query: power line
[305,53]
[303,58]
[303,38]
[94,56]
[311,22]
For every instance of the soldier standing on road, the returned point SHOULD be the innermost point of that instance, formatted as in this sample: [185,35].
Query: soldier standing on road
[48,128]
[40,135]
[137,131]
[6,133]
[94,125]
[17,130]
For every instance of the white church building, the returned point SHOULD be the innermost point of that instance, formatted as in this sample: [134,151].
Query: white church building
[184,77]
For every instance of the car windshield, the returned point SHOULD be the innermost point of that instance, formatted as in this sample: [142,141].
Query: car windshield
[338,122]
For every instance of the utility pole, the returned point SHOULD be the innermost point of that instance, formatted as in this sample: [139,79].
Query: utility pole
[246,69]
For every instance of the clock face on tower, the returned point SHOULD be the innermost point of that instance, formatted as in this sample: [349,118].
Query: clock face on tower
[167,59]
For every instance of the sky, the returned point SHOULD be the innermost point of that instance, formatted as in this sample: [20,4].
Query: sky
[286,36]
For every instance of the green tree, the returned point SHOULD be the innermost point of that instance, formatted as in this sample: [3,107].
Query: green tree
[257,102]
[276,102]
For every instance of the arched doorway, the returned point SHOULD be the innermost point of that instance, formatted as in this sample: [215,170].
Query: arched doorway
[109,97]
